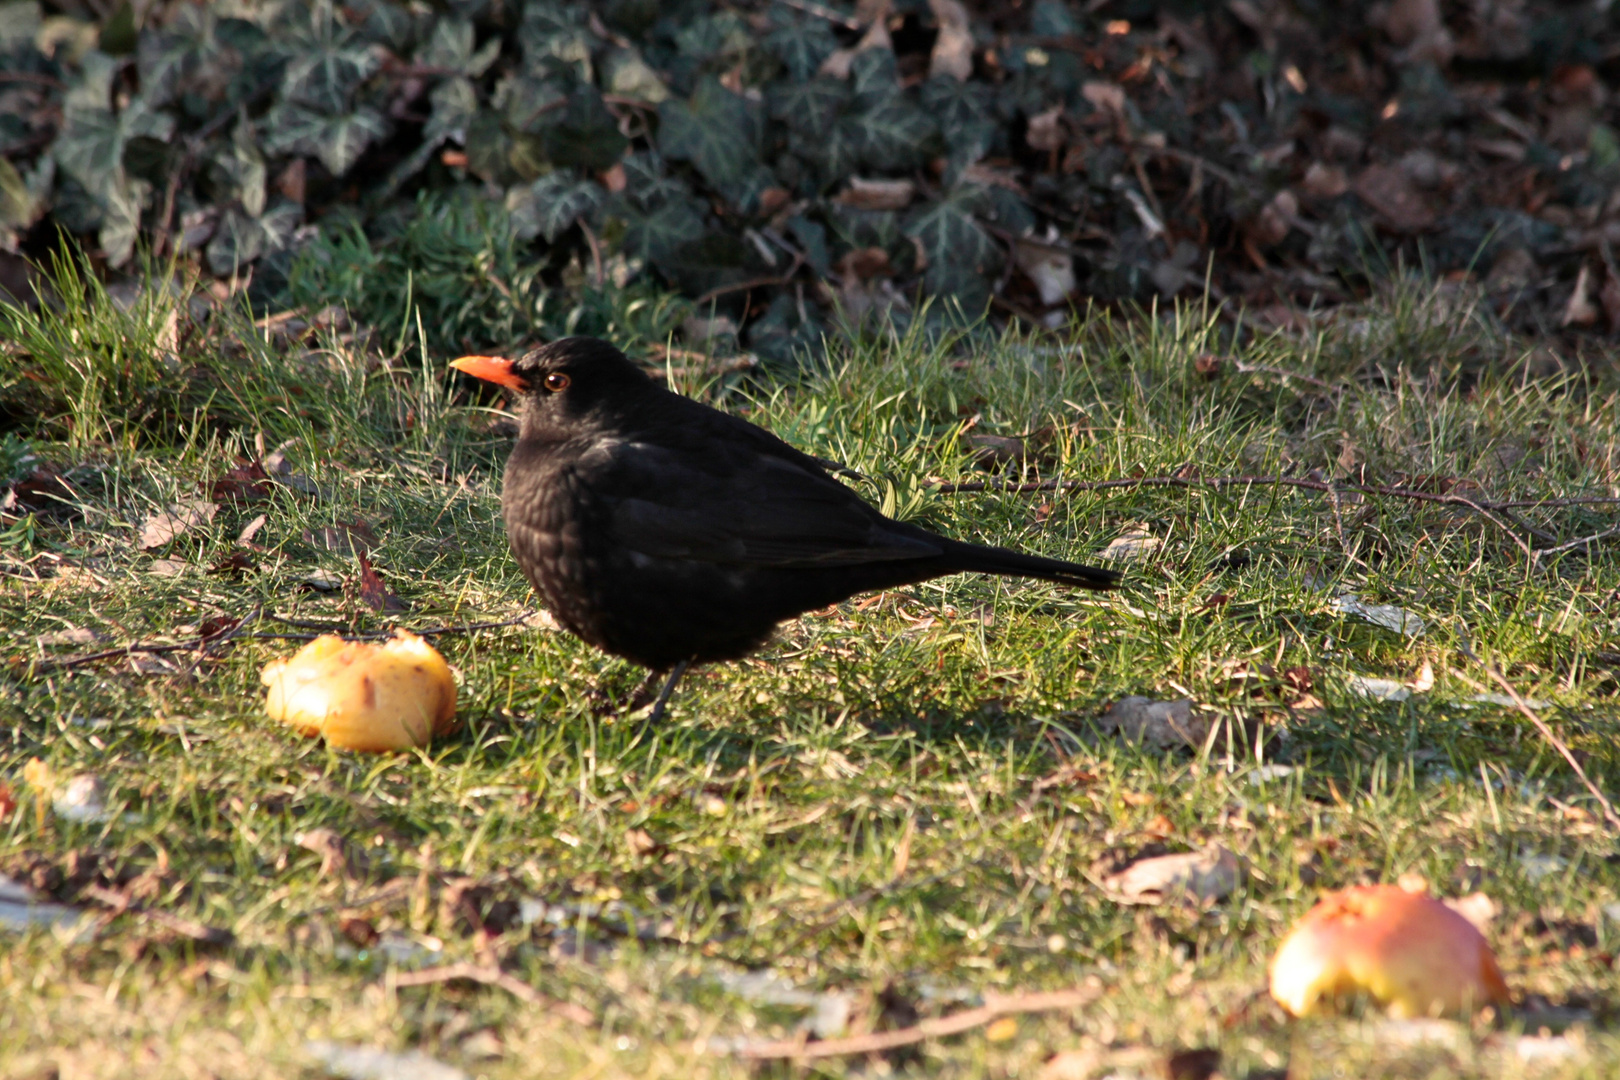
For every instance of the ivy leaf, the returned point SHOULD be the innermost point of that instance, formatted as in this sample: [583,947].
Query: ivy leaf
[657,235]
[169,58]
[721,34]
[90,145]
[587,135]
[529,103]
[625,73]
[19,207]
[874,76]
[893,135]
[237,171]
[455,103]
[241,238]
[717,131]
[386,23]
[836,154]
[802,46]
[325,76]
[711,261]
[551,205]
[450,46]
[961,255]
[808,108]
[963,112]
[555,31]
[121,219]
[337,140]
[648,185]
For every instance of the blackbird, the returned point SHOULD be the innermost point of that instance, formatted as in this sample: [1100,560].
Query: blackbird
[669,533]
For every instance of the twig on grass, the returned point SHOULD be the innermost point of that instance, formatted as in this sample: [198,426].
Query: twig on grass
[1547,733]
[494,976]
[955,1024]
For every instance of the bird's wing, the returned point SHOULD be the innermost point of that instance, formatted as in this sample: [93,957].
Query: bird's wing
[747,509]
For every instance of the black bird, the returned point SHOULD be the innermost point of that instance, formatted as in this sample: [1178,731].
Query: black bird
[668,533]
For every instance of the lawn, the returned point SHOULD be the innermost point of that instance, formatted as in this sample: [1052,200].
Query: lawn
[905,807]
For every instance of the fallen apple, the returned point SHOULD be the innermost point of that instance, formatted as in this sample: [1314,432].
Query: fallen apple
[1404,949]
[364,696]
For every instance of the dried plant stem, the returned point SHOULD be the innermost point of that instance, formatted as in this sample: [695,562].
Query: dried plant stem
[954,1024]
[494,976]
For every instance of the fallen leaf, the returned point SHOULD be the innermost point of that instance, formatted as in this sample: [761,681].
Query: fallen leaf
[1388,616]
[863,194]
[953,48]
[1050,269]
[1203,876]
[162,528]
[345,537]
[242,483]
[1001,1030]
[1476,907]
[21,910]
[323,581]
[1324,181]
[1377,689]
[1579,310]
[996,450]
[1157,723]
[1045,132]
[251,529]
[1133,543]
[366,1063]
[330,847]
[373,593]
[1106,97]
[73,635]
[8,800]
[1391,193]
[169,568]
[82,799]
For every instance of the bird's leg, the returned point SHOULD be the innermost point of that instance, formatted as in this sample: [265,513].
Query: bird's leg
[675,674]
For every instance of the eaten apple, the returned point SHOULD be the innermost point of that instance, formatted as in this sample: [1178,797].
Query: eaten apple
[363,696]
[1404,949]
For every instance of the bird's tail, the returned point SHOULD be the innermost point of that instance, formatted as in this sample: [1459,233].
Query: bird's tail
[978,558]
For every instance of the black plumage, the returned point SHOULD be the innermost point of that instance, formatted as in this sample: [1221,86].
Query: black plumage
[664,531]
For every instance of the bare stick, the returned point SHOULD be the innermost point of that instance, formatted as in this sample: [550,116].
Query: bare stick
[954,1024]
[494,976]
[1557,744]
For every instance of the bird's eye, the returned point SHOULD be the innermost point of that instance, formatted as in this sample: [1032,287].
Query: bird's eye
[556,382]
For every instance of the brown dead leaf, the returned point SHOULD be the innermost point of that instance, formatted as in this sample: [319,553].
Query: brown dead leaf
[1477,908]
[330,847]
[346,537]
[244,482]
[863,194]
[1579,310]
[1202,876]
[167,526]
[861,264]
[1157,723]
[373,593]
[1271,225]
[996,451]
[1398,202]
[640,842]
[1046,132]
[873,15]
[1323,181]
[953,48]
[1106,97]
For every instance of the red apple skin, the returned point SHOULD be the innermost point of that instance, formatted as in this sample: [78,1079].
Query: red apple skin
[1405,950]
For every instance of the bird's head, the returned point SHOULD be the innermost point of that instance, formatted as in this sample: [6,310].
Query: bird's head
[568,378]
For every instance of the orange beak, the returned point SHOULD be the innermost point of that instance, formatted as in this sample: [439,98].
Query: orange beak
[491,369]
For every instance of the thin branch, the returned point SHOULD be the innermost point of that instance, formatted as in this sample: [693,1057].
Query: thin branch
[752,283]
[954,1024]
[1577,543]
[494,976]
[1553,740]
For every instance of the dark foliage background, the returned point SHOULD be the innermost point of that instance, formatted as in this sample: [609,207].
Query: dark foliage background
[500,166]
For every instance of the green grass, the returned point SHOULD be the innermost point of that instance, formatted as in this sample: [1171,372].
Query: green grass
[856,809]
